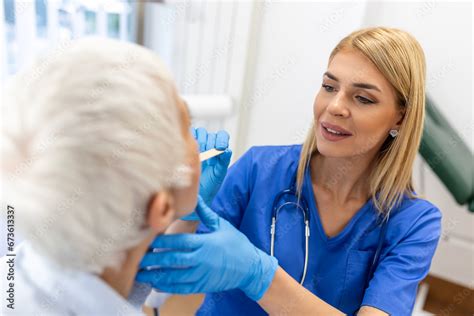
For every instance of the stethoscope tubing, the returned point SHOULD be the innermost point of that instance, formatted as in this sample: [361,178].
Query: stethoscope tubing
[303,206]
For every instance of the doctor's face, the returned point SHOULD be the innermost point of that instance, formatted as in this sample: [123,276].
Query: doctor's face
[355,107]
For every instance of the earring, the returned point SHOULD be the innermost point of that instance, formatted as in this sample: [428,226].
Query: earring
[393,133]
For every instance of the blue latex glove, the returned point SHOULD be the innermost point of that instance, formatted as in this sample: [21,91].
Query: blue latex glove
[213,170]
[221,260]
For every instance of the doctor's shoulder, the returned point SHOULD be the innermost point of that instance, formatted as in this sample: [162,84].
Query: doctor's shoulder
[261,165]
[417,217]
[268,157]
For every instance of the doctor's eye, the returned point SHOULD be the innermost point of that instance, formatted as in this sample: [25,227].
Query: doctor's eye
[328,88]
[364,100]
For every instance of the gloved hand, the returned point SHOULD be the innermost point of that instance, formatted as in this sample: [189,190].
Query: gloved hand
[213,170]
[221,260]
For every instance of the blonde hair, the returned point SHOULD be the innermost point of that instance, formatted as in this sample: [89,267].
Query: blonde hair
[90,134]
[400,58]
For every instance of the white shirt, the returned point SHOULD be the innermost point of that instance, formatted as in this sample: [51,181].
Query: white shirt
[42,287]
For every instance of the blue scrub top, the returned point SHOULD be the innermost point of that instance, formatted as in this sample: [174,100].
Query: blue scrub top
[338,266]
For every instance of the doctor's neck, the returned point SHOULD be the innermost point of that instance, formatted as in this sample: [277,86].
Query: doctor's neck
[344,179]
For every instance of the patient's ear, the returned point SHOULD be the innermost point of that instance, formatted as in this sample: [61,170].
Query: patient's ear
[161,211]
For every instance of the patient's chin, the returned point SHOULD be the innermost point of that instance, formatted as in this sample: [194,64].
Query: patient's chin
[180,226]
[185,204]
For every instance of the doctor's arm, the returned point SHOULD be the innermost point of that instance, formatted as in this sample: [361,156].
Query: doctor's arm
[287,295]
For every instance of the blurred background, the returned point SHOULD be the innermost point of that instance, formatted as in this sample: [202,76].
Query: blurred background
[254,67]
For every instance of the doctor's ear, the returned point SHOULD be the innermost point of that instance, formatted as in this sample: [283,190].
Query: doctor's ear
[401,115]
[161,211]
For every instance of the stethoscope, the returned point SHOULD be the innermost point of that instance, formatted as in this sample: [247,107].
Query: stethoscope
[302,205]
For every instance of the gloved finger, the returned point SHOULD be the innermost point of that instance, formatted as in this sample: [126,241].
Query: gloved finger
[190,217]
[162,277]
[208,217]
[152,277]
[177,241]
[222,140]
[224,161]
[168,259]
[201,138]
[181,288]
[211,143]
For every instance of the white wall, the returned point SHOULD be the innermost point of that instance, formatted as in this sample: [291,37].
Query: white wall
[292,51]
[205,44]
[293,43]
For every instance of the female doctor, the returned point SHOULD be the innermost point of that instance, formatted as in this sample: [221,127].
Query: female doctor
[328,227]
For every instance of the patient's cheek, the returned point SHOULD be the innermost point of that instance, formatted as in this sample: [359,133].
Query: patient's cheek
[185,199]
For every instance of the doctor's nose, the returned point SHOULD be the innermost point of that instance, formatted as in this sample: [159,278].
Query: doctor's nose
[337,106]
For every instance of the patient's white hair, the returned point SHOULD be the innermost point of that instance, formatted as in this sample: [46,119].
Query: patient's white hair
[89,133]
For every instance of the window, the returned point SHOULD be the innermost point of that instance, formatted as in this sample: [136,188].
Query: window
[28,28]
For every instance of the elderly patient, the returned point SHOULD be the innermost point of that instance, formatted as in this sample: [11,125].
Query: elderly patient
[97,160]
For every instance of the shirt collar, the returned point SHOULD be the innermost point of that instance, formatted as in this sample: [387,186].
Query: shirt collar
[80,292]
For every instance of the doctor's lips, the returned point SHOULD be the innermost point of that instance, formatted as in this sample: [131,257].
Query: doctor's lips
[333,132]
[335,129]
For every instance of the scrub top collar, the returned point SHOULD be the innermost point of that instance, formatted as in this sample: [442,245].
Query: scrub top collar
[307,185]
